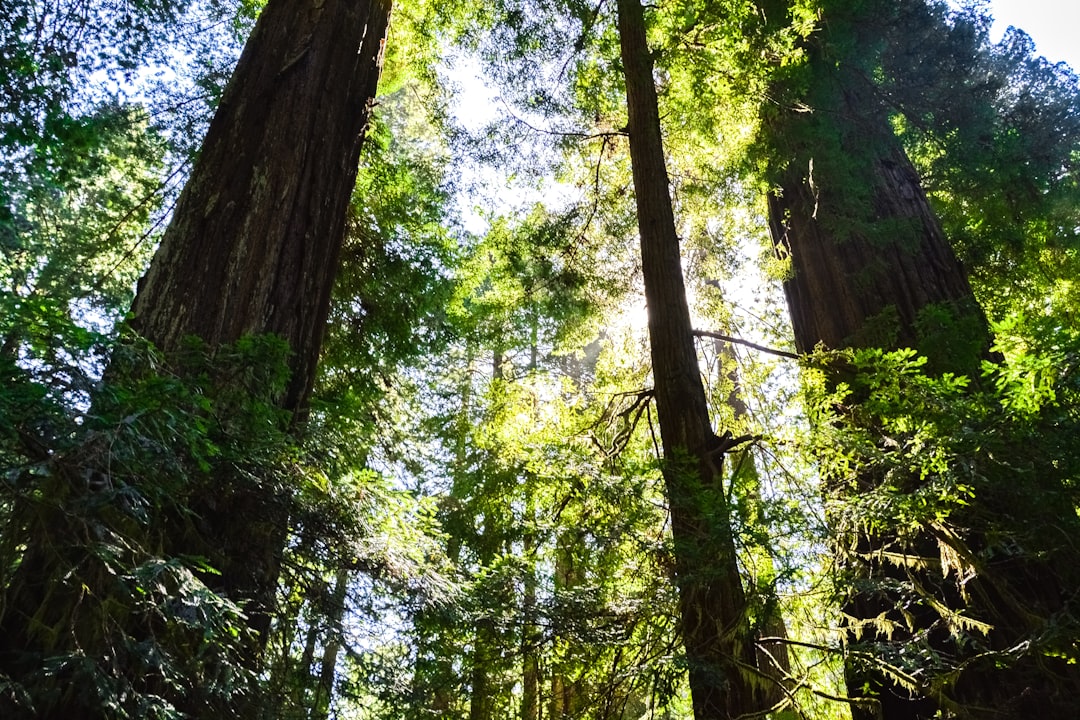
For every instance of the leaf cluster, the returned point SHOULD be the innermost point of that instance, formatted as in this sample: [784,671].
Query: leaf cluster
[950,502]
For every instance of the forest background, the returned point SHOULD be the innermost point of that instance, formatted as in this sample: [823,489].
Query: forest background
[473,505]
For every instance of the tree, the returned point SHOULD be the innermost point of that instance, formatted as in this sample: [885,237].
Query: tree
[871,268]
[251,250]
[254,243]
[714,619]
[993,130]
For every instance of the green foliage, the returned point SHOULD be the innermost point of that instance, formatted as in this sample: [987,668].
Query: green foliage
[51,48]
[963,499]
[76,231]
[533,283]
[994,131]
[90,508]
[398,263]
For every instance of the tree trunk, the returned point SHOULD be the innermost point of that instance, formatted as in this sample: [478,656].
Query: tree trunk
[715,626]
[324,688]
[531,634]
[484,653]
[255,237]
[252,248]
[868,289]
[860,277]
[872,268]
[567,697]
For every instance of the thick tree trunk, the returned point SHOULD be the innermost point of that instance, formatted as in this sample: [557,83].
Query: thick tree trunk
[715,626]
[252,248]
[861,277]
[254,241]
[872,268]
[855,287]
[868,258]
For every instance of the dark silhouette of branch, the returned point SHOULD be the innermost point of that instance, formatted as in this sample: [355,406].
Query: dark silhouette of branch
[747,343]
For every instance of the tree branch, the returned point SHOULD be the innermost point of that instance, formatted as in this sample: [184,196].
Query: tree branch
[747,343]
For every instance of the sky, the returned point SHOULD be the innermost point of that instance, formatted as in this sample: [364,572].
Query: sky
[1054,25]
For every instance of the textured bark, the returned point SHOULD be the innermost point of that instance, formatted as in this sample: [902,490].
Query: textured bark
[254,242]
[864,274]
[839,288]
[252,248]
[255,237]
[865,285]
[712,602]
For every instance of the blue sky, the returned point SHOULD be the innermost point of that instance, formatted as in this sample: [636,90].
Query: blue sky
[1054,25]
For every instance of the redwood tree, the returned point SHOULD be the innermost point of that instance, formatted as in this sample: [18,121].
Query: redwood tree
[871,268]
[251,250]
[715,625]
[255,237]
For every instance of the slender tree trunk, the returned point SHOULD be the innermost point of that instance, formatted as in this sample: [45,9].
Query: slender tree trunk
[567,697]
[530,633]
[485,639]
[712,602]
[254,242]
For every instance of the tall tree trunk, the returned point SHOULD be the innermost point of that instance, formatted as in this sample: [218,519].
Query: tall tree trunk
[530,632]
[853,287]
[867,289]
[255,237]
[252,248]
[481,692]
[715,627]
[870,265]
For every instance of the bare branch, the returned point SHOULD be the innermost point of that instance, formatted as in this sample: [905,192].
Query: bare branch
[747,343]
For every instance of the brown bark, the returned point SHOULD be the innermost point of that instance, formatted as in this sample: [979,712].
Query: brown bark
[838,289]
[255,237]
[252,248]
[712,602]
[862,281]
[864,274]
